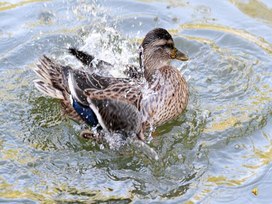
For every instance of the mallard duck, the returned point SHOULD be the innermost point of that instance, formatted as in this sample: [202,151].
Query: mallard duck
[124,105]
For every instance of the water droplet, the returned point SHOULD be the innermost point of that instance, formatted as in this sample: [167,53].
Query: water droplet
[237,146]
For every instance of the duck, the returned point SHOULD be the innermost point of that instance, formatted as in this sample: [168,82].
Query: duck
[149,96]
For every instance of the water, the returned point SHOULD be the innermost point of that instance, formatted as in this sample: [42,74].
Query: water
[219,151]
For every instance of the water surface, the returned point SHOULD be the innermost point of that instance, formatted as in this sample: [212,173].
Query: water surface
[218,151]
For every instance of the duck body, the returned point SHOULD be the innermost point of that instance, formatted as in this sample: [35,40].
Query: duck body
[127,105]
[168,97]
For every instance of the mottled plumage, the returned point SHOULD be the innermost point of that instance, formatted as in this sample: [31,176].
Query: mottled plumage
[153,96]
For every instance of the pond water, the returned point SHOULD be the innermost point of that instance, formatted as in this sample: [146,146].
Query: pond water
[218,151]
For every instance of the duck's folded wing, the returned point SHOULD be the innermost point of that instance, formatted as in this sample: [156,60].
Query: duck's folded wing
[79,81]
[117,116]
[116,107]
[129,93]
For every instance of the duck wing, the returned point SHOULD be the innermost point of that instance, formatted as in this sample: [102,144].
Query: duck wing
[116,98]
[68,85]
[79,81]
[117,107]
[129,93]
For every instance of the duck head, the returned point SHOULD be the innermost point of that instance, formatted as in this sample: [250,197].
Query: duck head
[157,50]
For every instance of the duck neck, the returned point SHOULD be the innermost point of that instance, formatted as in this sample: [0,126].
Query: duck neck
[151,64]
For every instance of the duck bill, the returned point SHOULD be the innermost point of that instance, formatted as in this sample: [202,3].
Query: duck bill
[176,54]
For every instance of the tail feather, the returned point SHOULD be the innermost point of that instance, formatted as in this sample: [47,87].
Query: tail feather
[47,89]
[42,73]
[85,58]
[52,81]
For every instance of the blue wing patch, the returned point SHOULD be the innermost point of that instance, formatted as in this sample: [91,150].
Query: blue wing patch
[85,113]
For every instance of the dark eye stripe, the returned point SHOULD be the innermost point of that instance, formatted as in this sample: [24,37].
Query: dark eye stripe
[170,46]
